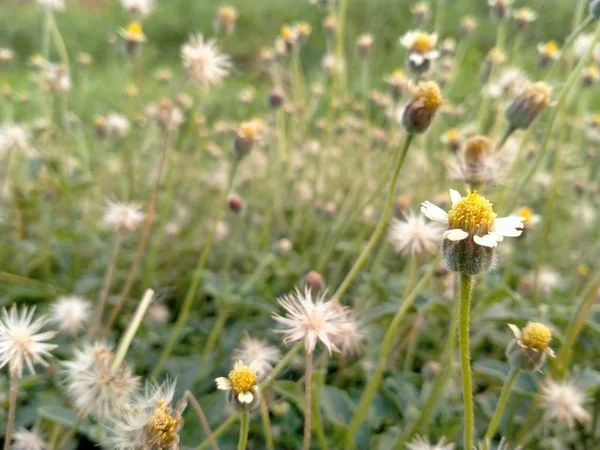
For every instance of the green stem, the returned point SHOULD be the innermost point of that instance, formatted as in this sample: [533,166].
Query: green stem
[504,394]
[440,12]
[435,394]
[266,421]
[12,408]
[576,32]
[383,221]
[585,302]
[244,426]
[60,43]
[190,296]
[465,358]
[369,393]
[564,93]
[317,423]
[308,400]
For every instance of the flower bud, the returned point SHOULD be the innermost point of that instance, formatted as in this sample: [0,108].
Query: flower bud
[235,203]
[364,44]
[276,98]
[314,280]
[248,134]
[499,9]
[528,105]
[419,113]
[467,25]
[528,351]
[420,12]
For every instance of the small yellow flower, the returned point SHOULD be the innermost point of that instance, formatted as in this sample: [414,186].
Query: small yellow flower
[583,270]
[535,336]
[133,33]
[496,56]
[472,212]
[549,49]
[227,14]
[429,94]
[288,34]
[529,216]
[419,41]
[303,29]
[242,381]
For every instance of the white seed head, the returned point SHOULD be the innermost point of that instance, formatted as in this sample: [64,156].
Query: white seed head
[414,236]
[20,343]
[121,216]
[563,402]
[203,60]
[70,313]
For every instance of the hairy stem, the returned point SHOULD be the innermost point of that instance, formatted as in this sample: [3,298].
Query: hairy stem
[465,357]
[504,394]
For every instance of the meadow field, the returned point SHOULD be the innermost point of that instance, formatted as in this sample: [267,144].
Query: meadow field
[294,224]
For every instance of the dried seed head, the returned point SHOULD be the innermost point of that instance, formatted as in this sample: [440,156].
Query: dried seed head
[419,113]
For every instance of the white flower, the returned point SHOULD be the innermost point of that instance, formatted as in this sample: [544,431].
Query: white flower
[503,445]
[563,402]
[57,77]
[150,421]
[309,319]
[24,439]
[56,5]
[242,382]
[421,443]
[204,62]
[15,137]
[70,313]
[421,46]
[20,342]
[123,215]
[472,217]
[141,7]
[93,387]
[582,45]
[413,236]
[351,337]
[260,354]
[116,125]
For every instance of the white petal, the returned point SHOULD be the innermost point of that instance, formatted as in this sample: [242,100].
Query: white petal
[246,397]
[223,383]
[433,54]
[455,235]
[455,197]
[417,58]
[485,241]
[515,330]
[507,223]
[434,213]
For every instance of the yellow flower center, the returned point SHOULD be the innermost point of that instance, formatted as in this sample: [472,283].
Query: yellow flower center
[453,135]
[472,213]
[540,93]
[250,129]
[583,270]
[423,43]
[163,426]
[287,34]
[227,14]
[596,119]
[477,149]
[429,94]
[527,213]
[398,76]
[134,28]
[551,47]
[525,14]
[303,29]
[242,378]
[496,56]
[536,335]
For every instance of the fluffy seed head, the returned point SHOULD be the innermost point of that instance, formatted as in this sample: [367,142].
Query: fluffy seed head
[70,313]
[563,402]
[24,439]
[203,60]
[20,343]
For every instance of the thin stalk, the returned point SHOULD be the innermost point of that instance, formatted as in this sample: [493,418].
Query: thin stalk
[439,384]
[132,330]
[584,303]
[12,408]
[576,32]
[200,413]
[266,421]
[564,93]
[383,221]
[60,43]
[72,431]
[504,394]
[190,296]
[465,358]
[244,427]
[146,229]
[308,400]
[391,333]
[282,364]
[106,285]
[440,13]
[54,436]
[316,413]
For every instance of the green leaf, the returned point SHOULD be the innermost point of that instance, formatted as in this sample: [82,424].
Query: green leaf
[337,405]
[59,415]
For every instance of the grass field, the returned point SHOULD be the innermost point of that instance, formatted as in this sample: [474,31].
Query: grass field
[158,215]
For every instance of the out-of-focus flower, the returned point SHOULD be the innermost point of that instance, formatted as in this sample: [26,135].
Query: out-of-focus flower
[524,17]
[121,216]
[204,62]
[563,401]
[93,386]
[56,5]
[133,36]
[311,319]
[422,443]
[258,352]
[56,77]
[225,19]
[364,44]
[21,343]
[70,313]
[421,50]
[420,12]
[528,105]
[530,347]
[413,236]
[548,53]
[150,420]
[139,7]
[419,113]
[24,439]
